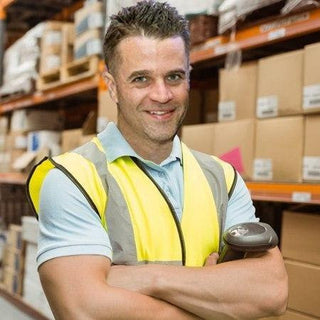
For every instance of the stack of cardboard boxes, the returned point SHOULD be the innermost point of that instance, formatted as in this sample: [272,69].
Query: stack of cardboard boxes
[89,22]
[32,290]
[56,51]
[268,123]
[300,246]
[13,260]
[30,132]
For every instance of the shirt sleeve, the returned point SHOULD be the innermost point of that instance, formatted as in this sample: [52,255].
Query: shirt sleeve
[67,223]
[240,207]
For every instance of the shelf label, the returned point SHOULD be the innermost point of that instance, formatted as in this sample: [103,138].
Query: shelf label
[301,196]
[226,110]
[311,168]
[277,34]
[262,169]
[285,22]
[94,46]
[95,20]
[311,96]
[267,107]
[221,49]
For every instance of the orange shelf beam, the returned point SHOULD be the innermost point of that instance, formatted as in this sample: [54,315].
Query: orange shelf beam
[285,192]
[49,95]
[13,178]
[280,29]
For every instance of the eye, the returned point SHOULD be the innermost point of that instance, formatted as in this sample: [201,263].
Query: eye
[140,79]
[175,77]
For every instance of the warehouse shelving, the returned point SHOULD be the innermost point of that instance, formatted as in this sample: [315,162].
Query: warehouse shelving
[60,92]
[260,191]
[276,30]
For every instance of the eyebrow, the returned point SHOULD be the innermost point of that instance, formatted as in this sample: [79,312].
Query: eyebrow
[138,73]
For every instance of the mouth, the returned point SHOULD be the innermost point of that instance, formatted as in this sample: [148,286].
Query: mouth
[161,114]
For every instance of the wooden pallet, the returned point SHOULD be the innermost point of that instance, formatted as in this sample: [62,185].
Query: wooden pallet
[80,69]
[49,80]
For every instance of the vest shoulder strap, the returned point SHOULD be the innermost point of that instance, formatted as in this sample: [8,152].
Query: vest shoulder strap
[222,178]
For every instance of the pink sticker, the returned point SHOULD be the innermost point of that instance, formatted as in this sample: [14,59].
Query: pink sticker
[234,157]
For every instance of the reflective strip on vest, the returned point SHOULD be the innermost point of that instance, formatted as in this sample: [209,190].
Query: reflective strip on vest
[140,224]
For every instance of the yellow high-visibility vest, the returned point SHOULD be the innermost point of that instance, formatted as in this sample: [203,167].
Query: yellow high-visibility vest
[135,212]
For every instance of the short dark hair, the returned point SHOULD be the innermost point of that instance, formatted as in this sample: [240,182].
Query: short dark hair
[148,18]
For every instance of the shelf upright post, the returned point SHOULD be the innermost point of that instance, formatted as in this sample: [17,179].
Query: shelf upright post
[2,40]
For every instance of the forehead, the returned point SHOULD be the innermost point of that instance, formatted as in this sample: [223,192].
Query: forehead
[142,52]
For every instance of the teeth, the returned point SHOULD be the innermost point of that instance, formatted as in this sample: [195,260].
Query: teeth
[159,113]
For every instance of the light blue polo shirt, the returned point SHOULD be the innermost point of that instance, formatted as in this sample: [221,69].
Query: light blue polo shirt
[69,226]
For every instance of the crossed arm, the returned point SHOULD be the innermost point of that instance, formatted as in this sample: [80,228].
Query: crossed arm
[76,288]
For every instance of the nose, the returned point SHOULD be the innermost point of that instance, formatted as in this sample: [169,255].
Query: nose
[161,92]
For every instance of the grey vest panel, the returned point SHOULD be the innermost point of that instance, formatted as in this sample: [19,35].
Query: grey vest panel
[118,219]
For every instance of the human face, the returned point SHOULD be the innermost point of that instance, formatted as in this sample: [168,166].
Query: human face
[151,87]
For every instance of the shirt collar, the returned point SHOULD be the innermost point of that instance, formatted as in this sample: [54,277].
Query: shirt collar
[116,146]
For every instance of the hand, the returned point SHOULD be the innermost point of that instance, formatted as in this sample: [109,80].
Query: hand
[212,259]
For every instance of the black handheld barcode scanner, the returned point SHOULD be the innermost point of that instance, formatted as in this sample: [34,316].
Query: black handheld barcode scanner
[247,237]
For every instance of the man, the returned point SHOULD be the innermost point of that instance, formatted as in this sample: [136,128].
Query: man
[130,223]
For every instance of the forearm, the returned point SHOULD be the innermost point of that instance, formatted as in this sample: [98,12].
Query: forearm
[243,289]
[116,303]
[76,288]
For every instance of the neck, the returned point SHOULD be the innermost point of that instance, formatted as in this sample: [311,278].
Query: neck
[148,150]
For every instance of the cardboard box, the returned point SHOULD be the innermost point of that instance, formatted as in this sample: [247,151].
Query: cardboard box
[4,124]
[89,17]
[311,82]
[237,90]
[234,142]
[311,154]
[304,287]
[300,236]
[44,139]
[194,113]
[56,45]
[198,137]
[280,81]
[210,105]
[32,120]
[235,145]
[87,44]
[70,139]
[12,280]
[279,149]
[14,237]
[107,110]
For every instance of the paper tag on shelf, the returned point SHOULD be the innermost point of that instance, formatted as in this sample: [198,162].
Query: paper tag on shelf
[262,169]
[94,47]
[311,96]
[301,196]
[220,49]
[276,34]
[311,168]
[226,110]
[95,20]
[267,107]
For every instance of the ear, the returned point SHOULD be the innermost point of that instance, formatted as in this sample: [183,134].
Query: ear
[111,84]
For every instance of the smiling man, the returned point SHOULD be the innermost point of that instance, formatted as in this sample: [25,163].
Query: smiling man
[131,222]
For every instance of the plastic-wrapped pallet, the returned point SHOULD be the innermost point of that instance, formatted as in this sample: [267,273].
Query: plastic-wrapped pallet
[232,11]
[21,63]
[297,5]
[32,289]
